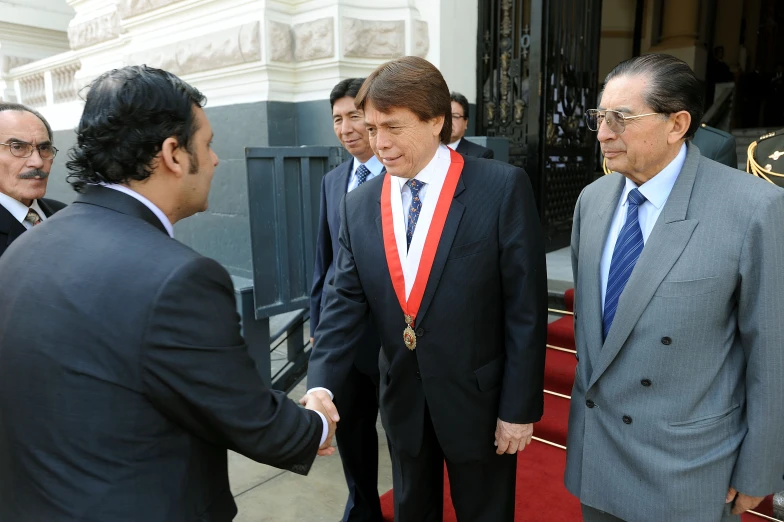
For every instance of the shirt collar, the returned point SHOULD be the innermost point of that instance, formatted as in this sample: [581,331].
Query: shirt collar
[17,208]
[455,144]
[146,202]
[374,165]
[658,188]
[431,169]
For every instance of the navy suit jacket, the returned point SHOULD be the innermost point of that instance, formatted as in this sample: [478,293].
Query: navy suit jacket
[333,189]
[480,329]
[10,228]
[469,148]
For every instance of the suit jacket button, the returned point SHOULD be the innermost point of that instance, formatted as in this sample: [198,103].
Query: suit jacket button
[419,377]
[666,341]
[577,356]
[420,332]
[627,419]
[590,403]
[645,382]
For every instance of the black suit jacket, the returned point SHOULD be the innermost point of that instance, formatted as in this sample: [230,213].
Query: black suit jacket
[333,189]
[10,228]
[124,378]
[481,327]
[469,148]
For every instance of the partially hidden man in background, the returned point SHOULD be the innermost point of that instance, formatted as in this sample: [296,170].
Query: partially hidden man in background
[677,410]
[445,253]
[358,404]
[457,139]
[123,375]
[26,155]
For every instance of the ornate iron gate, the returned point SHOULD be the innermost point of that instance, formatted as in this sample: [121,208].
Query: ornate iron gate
[537,74]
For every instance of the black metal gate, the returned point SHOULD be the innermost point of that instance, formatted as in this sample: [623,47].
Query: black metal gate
[537,74]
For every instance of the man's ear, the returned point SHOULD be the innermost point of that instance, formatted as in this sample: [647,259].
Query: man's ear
[173,156]
[680,125]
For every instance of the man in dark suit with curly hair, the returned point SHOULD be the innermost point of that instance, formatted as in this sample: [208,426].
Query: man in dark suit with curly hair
[123,374]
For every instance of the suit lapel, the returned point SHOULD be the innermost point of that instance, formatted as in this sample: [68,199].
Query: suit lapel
[48,211]
[9,226]
[665,245]
[451,225]
[591,250]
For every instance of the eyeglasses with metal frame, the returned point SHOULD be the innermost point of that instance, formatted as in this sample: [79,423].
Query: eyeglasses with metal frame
[21,149]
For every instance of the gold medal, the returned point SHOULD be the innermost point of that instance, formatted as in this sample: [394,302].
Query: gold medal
[409,336]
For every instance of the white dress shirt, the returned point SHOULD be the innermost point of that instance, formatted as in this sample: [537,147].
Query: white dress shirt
[146,202]
[433,176]
[455,144]
[373,165]
[19,210]
[656,191]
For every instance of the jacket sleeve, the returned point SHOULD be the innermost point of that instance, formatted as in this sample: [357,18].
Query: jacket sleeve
[322,262]
[759,469]
[524,283]
[197,371]
[344,315]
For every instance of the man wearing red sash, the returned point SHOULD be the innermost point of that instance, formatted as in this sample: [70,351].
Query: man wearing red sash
[446,255]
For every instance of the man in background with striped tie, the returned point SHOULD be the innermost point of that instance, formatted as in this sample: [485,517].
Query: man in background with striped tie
[677,410]
[357,438]
[26,155]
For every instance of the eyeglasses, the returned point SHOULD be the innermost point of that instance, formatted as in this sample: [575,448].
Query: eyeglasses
[459,117]
[616,121]
[21,149]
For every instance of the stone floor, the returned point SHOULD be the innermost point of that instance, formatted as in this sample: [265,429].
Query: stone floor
[266,494]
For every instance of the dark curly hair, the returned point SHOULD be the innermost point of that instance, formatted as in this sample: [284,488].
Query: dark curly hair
[128,114]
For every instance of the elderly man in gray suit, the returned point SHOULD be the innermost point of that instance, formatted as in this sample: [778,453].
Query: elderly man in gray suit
[677,410]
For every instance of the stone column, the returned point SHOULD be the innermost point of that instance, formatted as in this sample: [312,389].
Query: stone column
[680,33]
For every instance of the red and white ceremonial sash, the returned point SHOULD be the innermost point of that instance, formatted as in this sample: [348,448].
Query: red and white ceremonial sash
[411,305]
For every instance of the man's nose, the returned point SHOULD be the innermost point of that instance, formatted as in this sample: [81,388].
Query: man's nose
[604,133]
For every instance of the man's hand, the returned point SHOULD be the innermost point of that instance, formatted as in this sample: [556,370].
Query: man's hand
[312,342]
[743,502]
[511,438]
[320,401]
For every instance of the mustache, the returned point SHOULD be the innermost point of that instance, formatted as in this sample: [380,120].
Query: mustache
[35,173]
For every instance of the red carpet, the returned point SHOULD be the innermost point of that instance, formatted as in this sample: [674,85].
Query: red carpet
[540,493]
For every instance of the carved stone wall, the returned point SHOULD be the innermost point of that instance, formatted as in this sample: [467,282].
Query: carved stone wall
[373,38]
[96,30]
[421,39]
[233,46]
[314,40]
[130,8]
[281,42]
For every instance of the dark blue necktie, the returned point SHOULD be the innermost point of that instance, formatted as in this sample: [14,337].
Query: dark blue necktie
[413,210]
[362,174]
[627,250]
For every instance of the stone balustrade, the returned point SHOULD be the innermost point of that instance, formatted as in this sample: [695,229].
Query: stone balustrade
[45,82]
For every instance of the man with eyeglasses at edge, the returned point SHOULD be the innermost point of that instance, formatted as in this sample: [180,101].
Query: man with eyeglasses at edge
[26,155]
[676,410]
[459,124]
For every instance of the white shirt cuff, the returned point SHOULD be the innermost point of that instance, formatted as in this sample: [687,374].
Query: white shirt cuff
[325,429]
[331,396]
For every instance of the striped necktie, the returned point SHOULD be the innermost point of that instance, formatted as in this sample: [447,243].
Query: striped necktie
[627,250]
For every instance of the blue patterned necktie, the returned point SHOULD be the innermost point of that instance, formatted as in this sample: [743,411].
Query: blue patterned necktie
[627,250]
[413,211]
[362,174]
